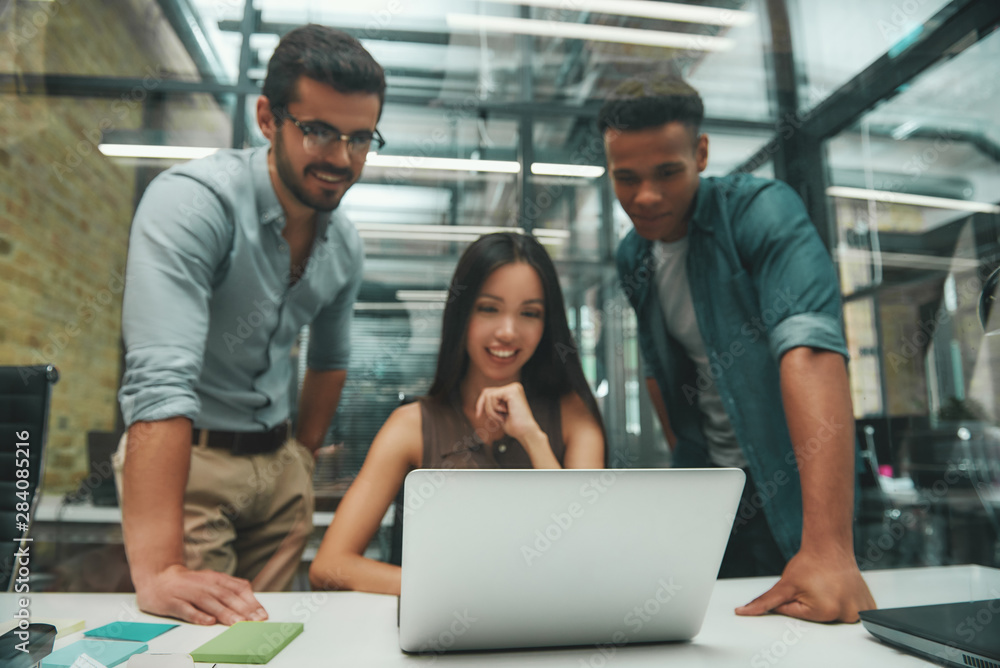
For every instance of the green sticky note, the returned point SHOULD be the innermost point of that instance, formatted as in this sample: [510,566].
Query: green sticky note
[248,642]
[136,631]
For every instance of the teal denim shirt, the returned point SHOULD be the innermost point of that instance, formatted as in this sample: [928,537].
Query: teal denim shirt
[762,282]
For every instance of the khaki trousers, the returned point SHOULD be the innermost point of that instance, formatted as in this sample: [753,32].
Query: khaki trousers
[248,516]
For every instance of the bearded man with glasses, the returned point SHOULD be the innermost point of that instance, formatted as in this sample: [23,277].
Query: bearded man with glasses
[229,257]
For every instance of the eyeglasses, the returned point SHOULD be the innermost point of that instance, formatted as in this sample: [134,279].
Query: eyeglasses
[318,137]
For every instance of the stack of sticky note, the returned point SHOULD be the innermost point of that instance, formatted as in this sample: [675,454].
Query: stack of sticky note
[134,631]
[109,653]
[108,645]
[248,642]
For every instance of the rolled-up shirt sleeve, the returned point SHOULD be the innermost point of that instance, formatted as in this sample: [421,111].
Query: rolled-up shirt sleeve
[330,331]
[793,273]
[179,237]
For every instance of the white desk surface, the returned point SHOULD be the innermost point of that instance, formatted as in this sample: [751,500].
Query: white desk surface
[353,630]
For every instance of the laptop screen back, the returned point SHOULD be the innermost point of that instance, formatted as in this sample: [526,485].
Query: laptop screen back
[529,558]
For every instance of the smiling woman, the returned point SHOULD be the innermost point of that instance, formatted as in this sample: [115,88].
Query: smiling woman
[505,326]
[509,392]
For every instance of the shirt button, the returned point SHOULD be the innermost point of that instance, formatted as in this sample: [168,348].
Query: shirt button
[502,448]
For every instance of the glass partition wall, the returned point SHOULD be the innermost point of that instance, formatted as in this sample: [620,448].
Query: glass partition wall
[892,145]
[914,188]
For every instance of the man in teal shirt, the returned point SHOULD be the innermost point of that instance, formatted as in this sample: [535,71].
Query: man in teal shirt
[740,331]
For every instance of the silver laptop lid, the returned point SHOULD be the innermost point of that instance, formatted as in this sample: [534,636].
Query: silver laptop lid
[529,558]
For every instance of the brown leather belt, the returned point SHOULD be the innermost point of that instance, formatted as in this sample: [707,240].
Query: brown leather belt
[243,442]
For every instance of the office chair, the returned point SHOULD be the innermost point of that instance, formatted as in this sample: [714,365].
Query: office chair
[24,418]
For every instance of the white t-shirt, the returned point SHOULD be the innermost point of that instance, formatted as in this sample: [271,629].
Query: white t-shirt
[678,314]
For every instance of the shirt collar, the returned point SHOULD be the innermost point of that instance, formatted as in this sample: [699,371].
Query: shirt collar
[701,217]
[268,206]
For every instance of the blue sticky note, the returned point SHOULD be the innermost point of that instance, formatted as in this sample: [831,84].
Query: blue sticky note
[135,631]
[109,652]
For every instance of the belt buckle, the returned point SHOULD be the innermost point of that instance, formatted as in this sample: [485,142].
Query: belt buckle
[260,443]
[237,446]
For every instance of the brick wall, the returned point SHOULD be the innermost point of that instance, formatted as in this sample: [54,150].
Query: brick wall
[65,209]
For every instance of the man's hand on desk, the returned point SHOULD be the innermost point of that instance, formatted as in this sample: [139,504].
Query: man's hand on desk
[199,597]
[817,588]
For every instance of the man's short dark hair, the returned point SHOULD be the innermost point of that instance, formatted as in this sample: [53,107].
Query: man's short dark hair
[651,101]
[329,56]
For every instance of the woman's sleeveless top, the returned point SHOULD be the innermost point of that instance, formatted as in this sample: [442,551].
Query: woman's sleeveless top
[450,441]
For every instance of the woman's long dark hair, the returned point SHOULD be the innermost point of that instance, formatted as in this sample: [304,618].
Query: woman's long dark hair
[554,369]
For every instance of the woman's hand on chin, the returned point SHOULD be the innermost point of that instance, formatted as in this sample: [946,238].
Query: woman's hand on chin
[507,406]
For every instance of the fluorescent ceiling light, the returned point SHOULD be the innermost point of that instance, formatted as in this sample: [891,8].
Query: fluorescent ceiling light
[159,152]
[264,42]
[441,236]
[397,306]
[469,165]
[397,199]
[358,214]
[450,233]
[476,230]
[916,200]
[416,236]
[544,233]
[451,164]
[421,295]
[668,11]
[373,160]
[551,169]
[904,130]
[599,33]
[446,229]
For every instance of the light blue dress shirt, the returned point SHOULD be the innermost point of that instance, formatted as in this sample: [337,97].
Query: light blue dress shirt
[209,318]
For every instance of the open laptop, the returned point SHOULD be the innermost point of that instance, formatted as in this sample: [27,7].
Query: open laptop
[954,634]
[497,559]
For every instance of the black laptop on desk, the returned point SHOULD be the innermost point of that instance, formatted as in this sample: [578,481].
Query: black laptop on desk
[953,634]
